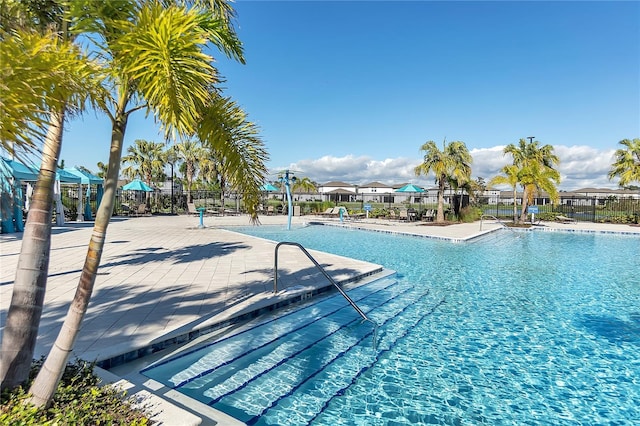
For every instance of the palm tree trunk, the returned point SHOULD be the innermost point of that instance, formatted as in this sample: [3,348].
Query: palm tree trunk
[440,214]
[45,383]
[525,202]
[515,205]
[23,319]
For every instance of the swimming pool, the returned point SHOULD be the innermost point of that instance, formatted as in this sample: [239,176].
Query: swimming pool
[539,329]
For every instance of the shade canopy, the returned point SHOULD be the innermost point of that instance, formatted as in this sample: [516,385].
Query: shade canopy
[137,185]
[86,177]
[19,171]
[64,176]
[410,188]
[267,187]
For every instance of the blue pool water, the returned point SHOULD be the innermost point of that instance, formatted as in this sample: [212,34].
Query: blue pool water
[533,328]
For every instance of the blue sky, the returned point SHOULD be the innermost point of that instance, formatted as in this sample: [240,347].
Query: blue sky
[351,90]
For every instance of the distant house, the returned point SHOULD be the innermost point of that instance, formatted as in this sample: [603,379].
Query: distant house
[337,191]
[603,193]
[376,192]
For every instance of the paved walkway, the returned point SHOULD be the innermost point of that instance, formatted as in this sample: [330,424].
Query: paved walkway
[162,278]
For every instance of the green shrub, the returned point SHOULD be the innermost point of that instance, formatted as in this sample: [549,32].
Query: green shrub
[470,214]
[547,216]
[79,400]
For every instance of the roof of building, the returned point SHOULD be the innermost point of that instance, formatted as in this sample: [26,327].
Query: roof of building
[337,184]
[375,185]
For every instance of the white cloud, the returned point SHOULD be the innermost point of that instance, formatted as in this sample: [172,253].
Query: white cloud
[580,166]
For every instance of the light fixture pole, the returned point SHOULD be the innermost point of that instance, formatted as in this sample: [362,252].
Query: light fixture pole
[286,179]
[172,159]
[530,138]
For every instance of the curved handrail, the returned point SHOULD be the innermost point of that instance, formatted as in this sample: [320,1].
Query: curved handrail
[331,280]
[494,218]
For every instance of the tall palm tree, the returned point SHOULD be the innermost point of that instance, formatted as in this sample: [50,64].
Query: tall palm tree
[509,177]
[145,160]
[627,163]
[536,170]
[157,61]
[189,153]
[42,73]
[452,163]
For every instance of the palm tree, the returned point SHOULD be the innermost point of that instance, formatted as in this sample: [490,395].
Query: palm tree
[509,177]
[146,160]
[190,153]
[536,170]
[627,164]
[42,73]
[157,58]
[304,184]
[452,163]
[102,169]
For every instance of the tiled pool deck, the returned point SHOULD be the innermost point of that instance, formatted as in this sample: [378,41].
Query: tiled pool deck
[164,280]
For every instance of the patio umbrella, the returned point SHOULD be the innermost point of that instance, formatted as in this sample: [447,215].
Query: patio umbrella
[267,187]
[410,188]
[137,185]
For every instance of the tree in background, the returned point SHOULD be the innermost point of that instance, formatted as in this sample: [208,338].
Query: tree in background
[145,159]
[536,171]
[189,154]
[627,163]
[453,163]
[509,177]
[303,185]
[102,169]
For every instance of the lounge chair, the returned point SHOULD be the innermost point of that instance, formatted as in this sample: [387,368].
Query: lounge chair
[404,214]
[270,211]
[429,215]
[327,212]
[191,209]
[141,210]
[565,219]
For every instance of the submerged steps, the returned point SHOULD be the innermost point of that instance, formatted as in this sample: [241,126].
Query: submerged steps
[320,348]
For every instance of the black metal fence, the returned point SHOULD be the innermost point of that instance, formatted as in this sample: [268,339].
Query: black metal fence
[586,209]
[589,209]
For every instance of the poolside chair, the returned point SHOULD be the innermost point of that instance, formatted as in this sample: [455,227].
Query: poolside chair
[191,209]
[404,214]
[565,219]
[327,212]
[429,215]
[270,211]
[141,210]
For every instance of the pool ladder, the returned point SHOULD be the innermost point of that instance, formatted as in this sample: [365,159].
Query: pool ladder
[331,280]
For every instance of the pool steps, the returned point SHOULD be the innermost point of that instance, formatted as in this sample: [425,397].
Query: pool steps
[321,347]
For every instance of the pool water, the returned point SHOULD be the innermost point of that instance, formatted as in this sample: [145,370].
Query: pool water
[526,328]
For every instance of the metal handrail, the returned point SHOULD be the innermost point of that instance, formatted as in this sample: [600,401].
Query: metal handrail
[496,219]
[331,280]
